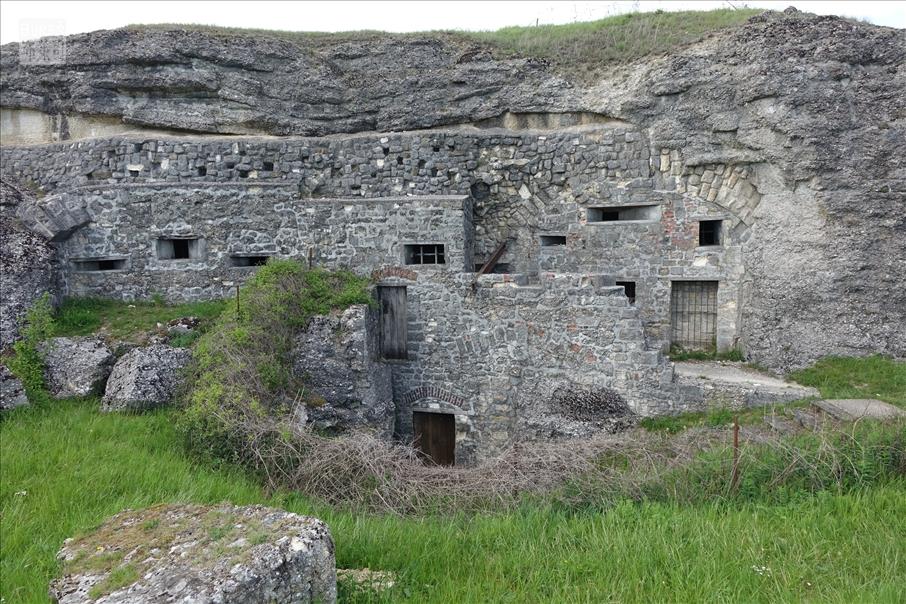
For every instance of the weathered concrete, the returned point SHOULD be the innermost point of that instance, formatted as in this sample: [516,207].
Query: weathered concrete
[709,385]
[853,409]
[200,554]
[76,366]
[145,378]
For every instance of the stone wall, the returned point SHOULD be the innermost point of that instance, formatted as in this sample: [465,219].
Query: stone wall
[236,221]
[505,356]
[524,185]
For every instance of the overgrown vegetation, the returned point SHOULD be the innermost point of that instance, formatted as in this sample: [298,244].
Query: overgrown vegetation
[27,362]
[243,390]
[680,354]
[82,466]
[575,47]
[129,321]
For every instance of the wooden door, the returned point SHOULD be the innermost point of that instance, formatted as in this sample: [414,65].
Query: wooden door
[435,437]
[693,315]
[393,322]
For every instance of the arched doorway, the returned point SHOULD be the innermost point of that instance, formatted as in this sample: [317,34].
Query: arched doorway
[435,437]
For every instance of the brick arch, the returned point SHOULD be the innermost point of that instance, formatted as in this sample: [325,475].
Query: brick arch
[434,392]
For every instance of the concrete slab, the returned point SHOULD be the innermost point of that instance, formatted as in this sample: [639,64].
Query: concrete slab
[726,384]
[853,409]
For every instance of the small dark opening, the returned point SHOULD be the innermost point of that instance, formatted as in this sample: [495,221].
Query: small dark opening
[433,172]
[480,191]
[268,166]
[248,260]
[435,148]
[709,232]
[202,171]
[431,253]
[178,249]
[137,147]
[243,173]
[501,268]
[230,165]
[399,160]
[628,289]
[105,264]
[621,213]
[552,240]
[133,172]
[386,151]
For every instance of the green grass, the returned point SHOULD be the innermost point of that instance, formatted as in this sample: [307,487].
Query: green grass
[574,47]
[66,467]
[126,320]
[678,354]
[616,39]
[715,418]
[867,377]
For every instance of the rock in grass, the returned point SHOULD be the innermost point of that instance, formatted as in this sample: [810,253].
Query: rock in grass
[145,378]
[76,366]
[12,394]
[200,554]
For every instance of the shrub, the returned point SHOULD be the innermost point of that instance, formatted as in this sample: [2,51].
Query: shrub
[27,362]
[242,389]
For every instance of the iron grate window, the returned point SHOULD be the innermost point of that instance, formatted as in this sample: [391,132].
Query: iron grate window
[425,253]
[709,232]
[693,315]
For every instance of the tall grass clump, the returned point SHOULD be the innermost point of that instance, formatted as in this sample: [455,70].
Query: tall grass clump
[242,388]
[27,361]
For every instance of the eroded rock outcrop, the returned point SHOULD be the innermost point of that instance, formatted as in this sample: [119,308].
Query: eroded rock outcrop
[346,388]
[200,554]
[206,81]
[27,265]
[76,366]
[145,378]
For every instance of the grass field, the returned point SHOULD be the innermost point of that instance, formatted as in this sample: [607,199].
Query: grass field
[126,321]
[65,467]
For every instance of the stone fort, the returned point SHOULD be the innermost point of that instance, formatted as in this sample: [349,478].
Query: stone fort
[534,258]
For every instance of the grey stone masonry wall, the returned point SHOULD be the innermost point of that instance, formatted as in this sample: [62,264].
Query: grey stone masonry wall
[524,186]
[236,221]
[506,355]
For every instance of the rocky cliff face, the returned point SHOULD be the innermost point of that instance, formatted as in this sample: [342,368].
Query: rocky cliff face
[813,107]
[27,265]
[204,82]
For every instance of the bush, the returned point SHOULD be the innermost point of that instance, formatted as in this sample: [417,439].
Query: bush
[27,362]
[242,388]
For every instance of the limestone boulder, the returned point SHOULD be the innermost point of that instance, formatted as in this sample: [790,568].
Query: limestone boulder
[12,394]
[145,378]
[346,387]
[76,366]
[200,554]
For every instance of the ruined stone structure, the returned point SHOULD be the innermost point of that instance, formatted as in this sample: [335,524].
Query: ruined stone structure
[746,193]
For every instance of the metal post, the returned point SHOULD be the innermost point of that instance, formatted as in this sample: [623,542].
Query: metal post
[734,482]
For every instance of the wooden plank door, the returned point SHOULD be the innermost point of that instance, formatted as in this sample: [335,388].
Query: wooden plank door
[435,437]
[393,322]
